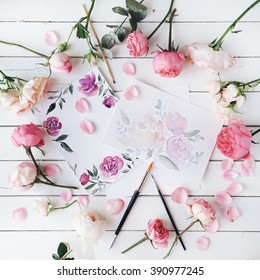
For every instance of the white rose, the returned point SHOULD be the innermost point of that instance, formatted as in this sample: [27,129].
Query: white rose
[213,87]
[240,101]
[230,93]
[43,206]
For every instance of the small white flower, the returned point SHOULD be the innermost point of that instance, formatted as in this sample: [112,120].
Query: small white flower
[43,206]
[213,87]
[230,93]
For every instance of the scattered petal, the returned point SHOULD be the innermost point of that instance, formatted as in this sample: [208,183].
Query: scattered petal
[202,243]
[131,93]
[180,195]
[223,198]
[114,206]
[83,201]
[230,175]
[66,195]
[248,166]
[227,164]
[129,69]
[82,105]
[51,170]
[213,227]
[234,188]
[232,213]
[51,38]
[19,214]
[87,127]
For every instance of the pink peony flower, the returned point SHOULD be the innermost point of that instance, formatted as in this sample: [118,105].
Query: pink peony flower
[234,141]
[88,85]
[109,102]
[176,123]
[137,44]
[28,135]
[60,63]
[157,233]
[111,166]
[168,64]
[52,125]
[84,179]
[10,101]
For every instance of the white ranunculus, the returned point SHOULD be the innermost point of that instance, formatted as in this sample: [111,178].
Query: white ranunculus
[42,206]
[213,87]
[230,93]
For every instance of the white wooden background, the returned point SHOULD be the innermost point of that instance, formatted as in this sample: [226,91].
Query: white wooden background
[26,22]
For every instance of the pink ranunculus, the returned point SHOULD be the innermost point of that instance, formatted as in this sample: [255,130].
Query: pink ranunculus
[28,135]
[178,149]
[168,64]
[203,211]
[111,166]
[10,101]
[60,63]
[207,59]
[88,84]
[137,43]
[157,233]
[234,141]
[23,176]
[52,126]
[84,179]
[176,123]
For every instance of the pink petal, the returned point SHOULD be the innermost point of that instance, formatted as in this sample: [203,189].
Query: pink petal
[87,127]
[227,164]
[114,206]
[51,170]
[213,227]
[129,69]
[248,166]
[180,195]
[51,38]
[232,213]
[131,93]
[19,214]
[202,243]
[66,195]
[223,198]
[82,105]
[230,175]
[234,188]
[83,201]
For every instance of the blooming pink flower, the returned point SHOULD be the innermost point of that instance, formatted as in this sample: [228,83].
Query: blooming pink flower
[28,135]
[88,85]
[168,64]
[109,102]
[157,233]
[10,101]
[60,62]
[234,141]
[84,179]
[137,43]
[111,166]
[52,125]
[176,123]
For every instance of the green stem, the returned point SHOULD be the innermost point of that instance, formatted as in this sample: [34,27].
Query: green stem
[216,46]
[163,20]
[255,82]
[63,207]
[170,30]
[135,244]
[179,236]
[54,185]
[23,47]
[89,13]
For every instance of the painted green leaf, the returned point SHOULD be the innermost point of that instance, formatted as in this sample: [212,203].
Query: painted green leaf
[66,147]
[120,11]
[51,108]
[192,133]
[61,138]
[71,88]
[126,157]
[124,117]
[90,186]
[95,171]
[135,6]
[168,163]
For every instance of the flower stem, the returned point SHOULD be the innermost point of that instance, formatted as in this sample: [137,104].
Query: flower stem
[170,30]
[163,20]
[63,207]
[216,46]
[89,12]
[54,185]
[135,244]
[179,236]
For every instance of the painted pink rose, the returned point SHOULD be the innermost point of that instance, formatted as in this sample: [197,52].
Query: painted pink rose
[178,149]
[111,166]
[168,64]
[157,233]
[234,141]
[137,43]
[28,135]
[176,123]
[60,63]
[88,85]
[52,125]
[109,102]
[84,179]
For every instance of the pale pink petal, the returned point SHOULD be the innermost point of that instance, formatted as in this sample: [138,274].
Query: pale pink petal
[19,214]
[51,170]
[82,105]
[114,206]
[83,201]
[232,213]
[66,195]
[202,243]
[131,93]
[87,127]
[248,166]
[129,69]
[227,164]
[234,188]
[223,198]
[51,38]
[180,195]
[213,227]
[230,175]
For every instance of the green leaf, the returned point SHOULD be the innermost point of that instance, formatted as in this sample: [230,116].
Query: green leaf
[192,133]
[120,33]
[120,11]
[95,171]
[63,47]
[71,88]
[126,157]
[138,16]
[90,173]
[55,257]
[133,24]
[107,41]
[82,32]
[108,53]
[135,6]
[66,147]
[61,138]
[51,108]
[168,163]
[124,117]
[62,249]
[90,186]
[61,104]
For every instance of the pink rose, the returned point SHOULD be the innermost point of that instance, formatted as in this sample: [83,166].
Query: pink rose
[28,135]
[10,101]
[203,211]
[137,44]
[111,166]
[207,59]
[157,233]
[60,62]
[176,123]
[23,176]
[234,141]
[168,64]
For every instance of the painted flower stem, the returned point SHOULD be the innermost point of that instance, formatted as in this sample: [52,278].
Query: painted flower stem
[179,236]
[217,45]
[37,181]
[135,244]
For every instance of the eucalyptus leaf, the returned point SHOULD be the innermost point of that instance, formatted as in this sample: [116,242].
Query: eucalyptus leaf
[120,11]
[133,24]
[168,163]
[120,33]
[51,108]
[135,6]
[107,41]
[124,117]
[114,37]
[138,16]
[66,147]
[108,53]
